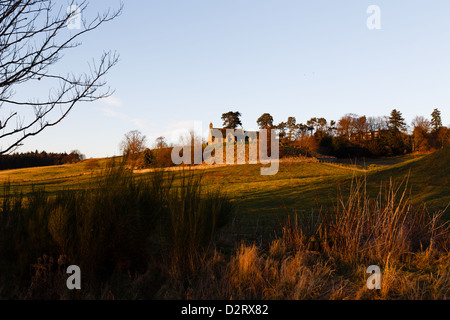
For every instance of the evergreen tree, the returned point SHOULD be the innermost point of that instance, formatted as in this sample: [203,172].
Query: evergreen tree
[282,129]
[231,120]
[291,125]
[396,121]
[265,121]
[436,121]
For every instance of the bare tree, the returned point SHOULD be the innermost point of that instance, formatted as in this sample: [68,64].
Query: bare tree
[192,141]
[161,142]
[422,128]
[133,144]
[345,125]
[33,38]
[360,126]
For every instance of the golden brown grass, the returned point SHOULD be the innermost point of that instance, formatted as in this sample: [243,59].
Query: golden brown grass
[327,258]
[316,256]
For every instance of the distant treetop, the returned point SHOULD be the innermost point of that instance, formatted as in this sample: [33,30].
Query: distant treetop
[436,120]
[265,121]
[396,121]
[231,120]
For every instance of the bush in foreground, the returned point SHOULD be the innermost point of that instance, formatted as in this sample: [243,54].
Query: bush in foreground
[327,257]
[114,229]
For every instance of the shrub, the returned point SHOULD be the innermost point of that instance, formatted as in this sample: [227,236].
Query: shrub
[194,219]
[114,227]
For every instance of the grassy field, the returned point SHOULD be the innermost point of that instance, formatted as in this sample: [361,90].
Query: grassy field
[223,231]
[54,178]
[302,187]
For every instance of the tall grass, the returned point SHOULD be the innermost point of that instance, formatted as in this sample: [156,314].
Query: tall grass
[327,257]
[116,226]
[155,238]
[194,220]
[365,229]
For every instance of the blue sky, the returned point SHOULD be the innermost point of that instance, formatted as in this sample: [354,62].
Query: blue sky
[192,60]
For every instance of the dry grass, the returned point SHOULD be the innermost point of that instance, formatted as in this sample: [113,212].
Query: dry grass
[321,256]
[327,258]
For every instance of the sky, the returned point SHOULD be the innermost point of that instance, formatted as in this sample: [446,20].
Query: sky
[186,61]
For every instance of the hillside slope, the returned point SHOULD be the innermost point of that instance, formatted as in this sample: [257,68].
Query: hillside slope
[428,178]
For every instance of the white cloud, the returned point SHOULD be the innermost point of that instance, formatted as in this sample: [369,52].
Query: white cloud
[176,130]
[172,131]
[139,123]
[112,101]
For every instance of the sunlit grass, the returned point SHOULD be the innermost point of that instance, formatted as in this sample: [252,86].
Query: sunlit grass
[299,185]
[227,232]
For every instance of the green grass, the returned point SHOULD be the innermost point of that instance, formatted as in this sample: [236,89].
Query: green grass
[429,178]
[370,163]
[117,225]
[263,201]
[162,230]
[306,187]
[54,178]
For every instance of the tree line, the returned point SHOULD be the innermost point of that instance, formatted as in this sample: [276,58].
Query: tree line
[351,136]
[354,135]
[38,159]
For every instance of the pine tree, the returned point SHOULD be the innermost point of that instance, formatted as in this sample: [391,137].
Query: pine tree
[291,124]
[231,120]
[436,121]
[396,121]
[265,121]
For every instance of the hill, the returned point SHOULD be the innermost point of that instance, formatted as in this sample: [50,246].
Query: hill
[428,177]
[53,178]
[302,187]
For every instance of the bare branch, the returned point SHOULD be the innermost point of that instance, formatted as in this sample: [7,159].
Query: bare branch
[31,42]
